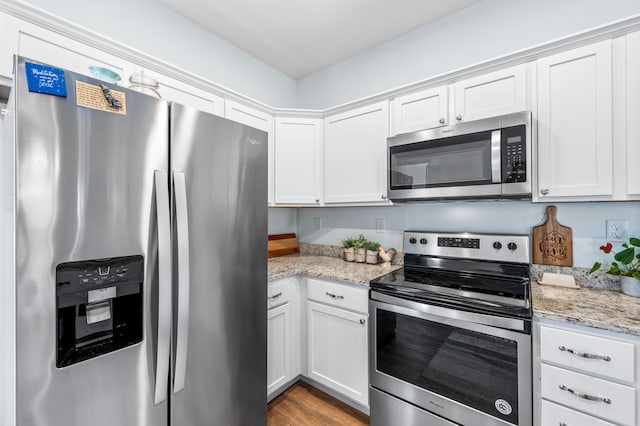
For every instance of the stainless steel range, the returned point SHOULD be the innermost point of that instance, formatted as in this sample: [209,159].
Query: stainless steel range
[450,333]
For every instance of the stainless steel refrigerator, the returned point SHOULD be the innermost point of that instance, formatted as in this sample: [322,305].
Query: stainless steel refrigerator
[133,259]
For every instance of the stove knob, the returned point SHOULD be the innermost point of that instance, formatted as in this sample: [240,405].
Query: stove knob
[512,246]
[412,240]
[423,241]
[497,245]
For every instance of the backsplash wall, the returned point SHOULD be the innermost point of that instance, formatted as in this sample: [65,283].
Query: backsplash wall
[587,220]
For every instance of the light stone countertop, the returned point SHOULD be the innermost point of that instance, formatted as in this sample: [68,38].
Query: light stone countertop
[604,309]
[592,307]
[331,268]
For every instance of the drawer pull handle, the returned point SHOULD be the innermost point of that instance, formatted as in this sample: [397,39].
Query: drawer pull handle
[585,395]
[334,296]
[275,296]
[584,354]
[563,424]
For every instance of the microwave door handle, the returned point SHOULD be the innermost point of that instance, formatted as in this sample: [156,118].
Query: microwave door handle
[182,239]
[161,183]
[496,166]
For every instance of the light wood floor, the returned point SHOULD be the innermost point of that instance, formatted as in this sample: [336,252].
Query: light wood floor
[304,405]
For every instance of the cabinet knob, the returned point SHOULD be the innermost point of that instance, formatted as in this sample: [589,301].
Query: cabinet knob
[441,121]
[459,117]
[544,191]
[317,200]
[362,321]
[384,197]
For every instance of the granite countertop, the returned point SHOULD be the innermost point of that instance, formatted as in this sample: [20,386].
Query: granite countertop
[331,268]
[604,309]
[592,307]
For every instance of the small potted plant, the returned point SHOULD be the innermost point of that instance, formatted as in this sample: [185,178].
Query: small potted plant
[627,266]
[348,249]
[361,250]
[372,252]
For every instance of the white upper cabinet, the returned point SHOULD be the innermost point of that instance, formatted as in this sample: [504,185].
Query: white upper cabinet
[575,123]
[495,93]
[171,89]
[632,112]
[487,95]
[421,110]
[298,158]
[260,120]
[34,42]
[355,155]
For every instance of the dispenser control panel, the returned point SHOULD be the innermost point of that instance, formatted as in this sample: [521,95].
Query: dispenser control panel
[99,307]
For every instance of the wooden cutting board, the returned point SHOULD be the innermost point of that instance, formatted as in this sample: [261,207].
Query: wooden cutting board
[283,244]
[552,242]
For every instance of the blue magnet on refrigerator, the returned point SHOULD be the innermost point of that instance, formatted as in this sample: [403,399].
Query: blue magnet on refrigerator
[45,79]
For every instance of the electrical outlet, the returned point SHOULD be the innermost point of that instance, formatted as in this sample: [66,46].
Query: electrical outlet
[317,223]
[616,230]
[380,225]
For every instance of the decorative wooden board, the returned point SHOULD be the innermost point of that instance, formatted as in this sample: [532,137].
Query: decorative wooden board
[552,242]
[283,244]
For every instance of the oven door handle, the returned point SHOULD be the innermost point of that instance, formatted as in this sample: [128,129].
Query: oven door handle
[453,314]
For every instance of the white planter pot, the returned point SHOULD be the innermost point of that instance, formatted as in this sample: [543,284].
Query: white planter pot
[361,255]
[349,254]
[372,257]
[630,286]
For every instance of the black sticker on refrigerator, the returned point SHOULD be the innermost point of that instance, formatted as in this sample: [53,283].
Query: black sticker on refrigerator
[45,79]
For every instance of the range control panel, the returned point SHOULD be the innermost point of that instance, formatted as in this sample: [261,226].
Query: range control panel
[498,247]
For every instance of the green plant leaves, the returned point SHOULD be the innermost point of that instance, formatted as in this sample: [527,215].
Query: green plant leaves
[634,241]
[625,256]
[595,267]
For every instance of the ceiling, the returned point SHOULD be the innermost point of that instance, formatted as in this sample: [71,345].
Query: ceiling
[300,37]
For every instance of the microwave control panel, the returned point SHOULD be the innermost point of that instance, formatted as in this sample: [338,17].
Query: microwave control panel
[514,154]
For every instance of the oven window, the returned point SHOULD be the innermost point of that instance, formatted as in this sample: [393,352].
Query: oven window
[463,160]
[475,369]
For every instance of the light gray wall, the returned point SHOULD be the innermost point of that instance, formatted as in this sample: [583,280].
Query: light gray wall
[152,28]
[484,31]
[587,220]
[282,221]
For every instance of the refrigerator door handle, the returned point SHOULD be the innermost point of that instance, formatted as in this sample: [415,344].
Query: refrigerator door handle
[161,181]
[182,239]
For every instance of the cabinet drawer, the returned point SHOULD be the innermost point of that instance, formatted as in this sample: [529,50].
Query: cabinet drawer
[585,352]
[553,414]
[280,292]
[341,295]
[556,383]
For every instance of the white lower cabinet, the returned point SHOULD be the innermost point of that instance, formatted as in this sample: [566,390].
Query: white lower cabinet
[337,350]
[337,338]
[585,376]
[325,339]
[283,334]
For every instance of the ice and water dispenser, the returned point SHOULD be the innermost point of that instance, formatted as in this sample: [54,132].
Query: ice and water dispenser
[99,307]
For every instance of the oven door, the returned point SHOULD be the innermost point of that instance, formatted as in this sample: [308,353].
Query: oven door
[451,362]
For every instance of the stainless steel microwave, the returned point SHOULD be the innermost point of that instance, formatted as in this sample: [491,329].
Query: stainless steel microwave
[483,159]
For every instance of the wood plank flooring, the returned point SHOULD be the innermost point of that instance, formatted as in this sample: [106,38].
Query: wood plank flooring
[304,405]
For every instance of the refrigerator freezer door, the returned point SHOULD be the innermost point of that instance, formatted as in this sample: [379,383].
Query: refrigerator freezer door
[225,176]
[84,190]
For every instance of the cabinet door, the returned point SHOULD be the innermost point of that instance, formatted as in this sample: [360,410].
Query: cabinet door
[574,123]
[355,155]
[173,90]
[337,350]
[419,111]
[278,347]
[28,40]
[496,93]
[298,155]
[633,114]
[259,120]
